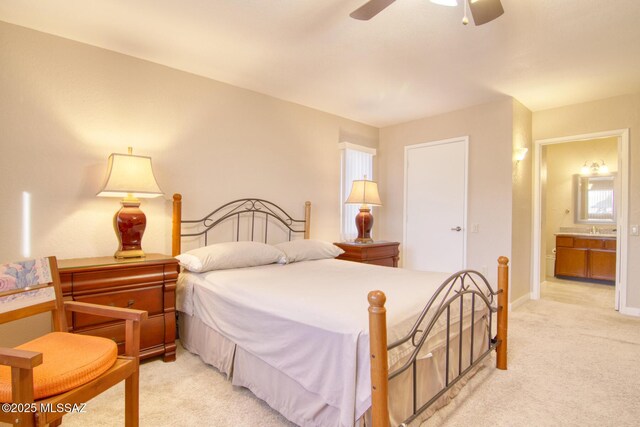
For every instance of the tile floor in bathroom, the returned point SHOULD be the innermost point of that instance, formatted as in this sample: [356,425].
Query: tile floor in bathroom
[580,293]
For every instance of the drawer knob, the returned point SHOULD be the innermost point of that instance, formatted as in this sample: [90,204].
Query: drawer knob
[130,303]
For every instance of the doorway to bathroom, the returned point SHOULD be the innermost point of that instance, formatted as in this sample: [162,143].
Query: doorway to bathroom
[580,214]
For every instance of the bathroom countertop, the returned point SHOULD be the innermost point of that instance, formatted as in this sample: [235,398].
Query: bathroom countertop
[592,235]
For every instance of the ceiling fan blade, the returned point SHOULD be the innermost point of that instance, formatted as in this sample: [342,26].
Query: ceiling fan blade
[370,9]
[484,11]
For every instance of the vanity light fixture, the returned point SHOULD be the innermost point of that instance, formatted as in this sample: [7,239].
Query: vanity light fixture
[584,170]
[594,168]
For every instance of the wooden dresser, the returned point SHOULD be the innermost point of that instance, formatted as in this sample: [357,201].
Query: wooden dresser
[378,253]
[586,257]
[144,284]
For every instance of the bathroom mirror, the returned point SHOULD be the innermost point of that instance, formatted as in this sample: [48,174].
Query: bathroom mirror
[594,199]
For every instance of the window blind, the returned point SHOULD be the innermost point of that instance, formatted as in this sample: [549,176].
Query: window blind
[357,162]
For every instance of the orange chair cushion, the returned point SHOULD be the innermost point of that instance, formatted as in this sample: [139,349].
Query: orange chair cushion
[69,361]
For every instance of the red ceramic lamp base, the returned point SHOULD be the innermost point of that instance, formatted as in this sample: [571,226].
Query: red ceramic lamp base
[129,224]
[364,223]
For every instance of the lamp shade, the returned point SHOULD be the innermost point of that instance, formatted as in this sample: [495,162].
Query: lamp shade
[364,192]
[130,175]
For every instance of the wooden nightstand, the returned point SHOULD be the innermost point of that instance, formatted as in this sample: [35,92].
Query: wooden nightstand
[143,283]
[378,253]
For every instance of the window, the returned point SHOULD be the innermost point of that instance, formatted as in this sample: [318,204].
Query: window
[357,161]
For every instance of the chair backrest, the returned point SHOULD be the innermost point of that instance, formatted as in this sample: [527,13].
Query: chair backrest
[31,287]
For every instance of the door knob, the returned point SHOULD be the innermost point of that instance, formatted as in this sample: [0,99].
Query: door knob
[458,228]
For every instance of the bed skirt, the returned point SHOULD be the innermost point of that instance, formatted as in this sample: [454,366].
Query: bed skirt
[246,370]
[294,402]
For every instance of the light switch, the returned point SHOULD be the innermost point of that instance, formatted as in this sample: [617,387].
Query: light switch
[475,228]
[634,230]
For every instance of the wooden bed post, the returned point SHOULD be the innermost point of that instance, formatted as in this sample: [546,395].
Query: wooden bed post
[379,362]
[176,228]
[307,219]
[503,312]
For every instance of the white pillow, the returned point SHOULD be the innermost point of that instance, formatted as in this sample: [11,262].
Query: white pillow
[306,250]
[221,256]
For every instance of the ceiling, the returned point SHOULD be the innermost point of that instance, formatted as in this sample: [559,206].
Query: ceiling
[415,59]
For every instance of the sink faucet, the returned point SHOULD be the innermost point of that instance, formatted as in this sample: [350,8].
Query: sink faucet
[594,230]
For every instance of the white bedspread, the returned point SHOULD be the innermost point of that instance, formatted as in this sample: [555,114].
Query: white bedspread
[276,311]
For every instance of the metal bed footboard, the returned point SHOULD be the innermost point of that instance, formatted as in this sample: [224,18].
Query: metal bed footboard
[450,294]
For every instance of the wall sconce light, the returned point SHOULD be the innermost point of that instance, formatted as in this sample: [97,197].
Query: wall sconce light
[364,193]
[521,153]
[130,177]
[594,168]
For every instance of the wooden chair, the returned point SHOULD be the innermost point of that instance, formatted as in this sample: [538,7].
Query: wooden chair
[57,373]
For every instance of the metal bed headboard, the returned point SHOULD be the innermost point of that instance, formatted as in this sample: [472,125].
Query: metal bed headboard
[250,208]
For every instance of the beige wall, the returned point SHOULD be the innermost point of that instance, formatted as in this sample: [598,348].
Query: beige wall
[620,112]
[490,131]
[65,106]
[521,204]
[563,162]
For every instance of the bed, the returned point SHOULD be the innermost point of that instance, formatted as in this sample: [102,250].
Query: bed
[311,340]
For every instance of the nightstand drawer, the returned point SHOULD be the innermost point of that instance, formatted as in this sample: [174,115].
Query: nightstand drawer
[123,277]
[386,262]
[151,333]
[147,283]
[377,253]
[148,299]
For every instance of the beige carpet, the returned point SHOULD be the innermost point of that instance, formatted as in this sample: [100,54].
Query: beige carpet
[570,365]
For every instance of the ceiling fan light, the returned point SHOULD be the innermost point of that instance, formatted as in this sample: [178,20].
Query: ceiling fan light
[451,3]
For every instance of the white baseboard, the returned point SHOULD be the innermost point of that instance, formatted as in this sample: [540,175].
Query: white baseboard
[630,311]
[517,303]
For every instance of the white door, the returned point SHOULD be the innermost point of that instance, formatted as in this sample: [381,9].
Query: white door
[436,205]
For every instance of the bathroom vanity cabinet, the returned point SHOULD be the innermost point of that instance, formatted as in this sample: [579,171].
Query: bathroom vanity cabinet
[586,257]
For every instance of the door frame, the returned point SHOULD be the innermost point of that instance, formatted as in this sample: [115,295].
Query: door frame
[621,220]
[407,148]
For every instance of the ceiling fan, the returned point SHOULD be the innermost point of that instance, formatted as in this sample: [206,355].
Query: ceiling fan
[483,11]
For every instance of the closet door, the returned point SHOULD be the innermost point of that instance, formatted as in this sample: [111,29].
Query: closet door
[436,205]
